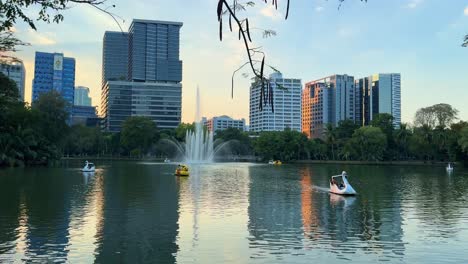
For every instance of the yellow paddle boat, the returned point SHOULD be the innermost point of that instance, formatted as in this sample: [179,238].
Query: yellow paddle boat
[275,162]
[182,170]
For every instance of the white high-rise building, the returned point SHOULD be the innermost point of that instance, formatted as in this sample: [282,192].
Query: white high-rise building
[286,106]
[15,70]
[223,122]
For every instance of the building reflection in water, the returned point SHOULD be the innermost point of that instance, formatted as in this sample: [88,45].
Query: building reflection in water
[140,213]
[321,222]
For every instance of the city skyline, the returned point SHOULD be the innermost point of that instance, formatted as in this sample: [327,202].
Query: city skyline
[147,82]
[423,48]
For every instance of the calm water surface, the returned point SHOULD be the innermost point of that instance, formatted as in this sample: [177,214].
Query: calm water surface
[232,213]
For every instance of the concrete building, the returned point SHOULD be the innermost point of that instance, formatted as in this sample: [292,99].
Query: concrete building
[82,96]
[224,122]
[14,69]
[286,102]
[145,81]
[328,100]
[381,93]
[316,109]
[53,71]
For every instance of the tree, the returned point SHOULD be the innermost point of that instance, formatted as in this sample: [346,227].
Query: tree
[402,138]
[437,115]
[181,131]
[368,143]
[239,141]
[330,135]
[139,133]
[53,114]
[463,141]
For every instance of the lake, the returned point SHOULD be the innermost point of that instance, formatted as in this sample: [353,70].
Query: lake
[139,212]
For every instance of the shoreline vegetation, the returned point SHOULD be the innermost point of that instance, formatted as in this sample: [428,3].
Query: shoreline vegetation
[39,135]
[259,160]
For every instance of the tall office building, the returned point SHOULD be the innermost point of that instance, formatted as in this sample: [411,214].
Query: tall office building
[287,106]
[224,122]
[328,100]
[53,71]
[381,93]
[146,82]
[115,57]
[14,69]
[82,97]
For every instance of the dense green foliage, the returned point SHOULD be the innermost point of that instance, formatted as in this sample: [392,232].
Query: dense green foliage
[39,135]
[29,136]
[138,135]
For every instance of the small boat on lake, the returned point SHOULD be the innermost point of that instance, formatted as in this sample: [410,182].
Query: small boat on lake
[275,162]
[88,167]
[182,170]
[339,185]
[449,167]
[166,160]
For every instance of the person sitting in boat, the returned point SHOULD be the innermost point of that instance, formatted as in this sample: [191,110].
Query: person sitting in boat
[182,167]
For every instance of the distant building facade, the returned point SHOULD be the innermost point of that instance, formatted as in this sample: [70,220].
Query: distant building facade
[286,102]
[81,115]
[381,93]
[115,56]
[144,81]
[224,122]
[14,69]
[82,96]
[53,71]
[329,100]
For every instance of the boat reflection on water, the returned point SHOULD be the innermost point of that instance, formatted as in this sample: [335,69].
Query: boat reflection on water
[338,200]
[330,224]
[87,176]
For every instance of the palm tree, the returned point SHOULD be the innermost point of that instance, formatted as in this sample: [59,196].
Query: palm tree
[330,135]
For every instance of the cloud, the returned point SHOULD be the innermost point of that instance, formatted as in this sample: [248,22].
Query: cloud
[347,32]
[271,12]
[414,3]
[465,11]
[36,38]
[319,9]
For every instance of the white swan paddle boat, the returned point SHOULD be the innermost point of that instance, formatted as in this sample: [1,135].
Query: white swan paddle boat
[449,167]
[339,185]
[89,167]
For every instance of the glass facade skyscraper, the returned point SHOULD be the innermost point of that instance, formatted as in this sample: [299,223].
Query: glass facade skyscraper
[15,70]
[53,71]
[115,57]
[154,51]
[142,74]
[381,93]
[328,100]
[82,96]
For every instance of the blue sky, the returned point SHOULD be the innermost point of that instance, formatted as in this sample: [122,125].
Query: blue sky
[418,38]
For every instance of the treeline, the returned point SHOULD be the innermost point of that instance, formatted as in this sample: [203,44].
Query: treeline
[39,135]
[435,137]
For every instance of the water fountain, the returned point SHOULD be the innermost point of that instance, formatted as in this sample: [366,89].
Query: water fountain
[199,143]
[199,146]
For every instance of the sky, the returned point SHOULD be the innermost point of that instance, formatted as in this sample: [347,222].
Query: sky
[421,39]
